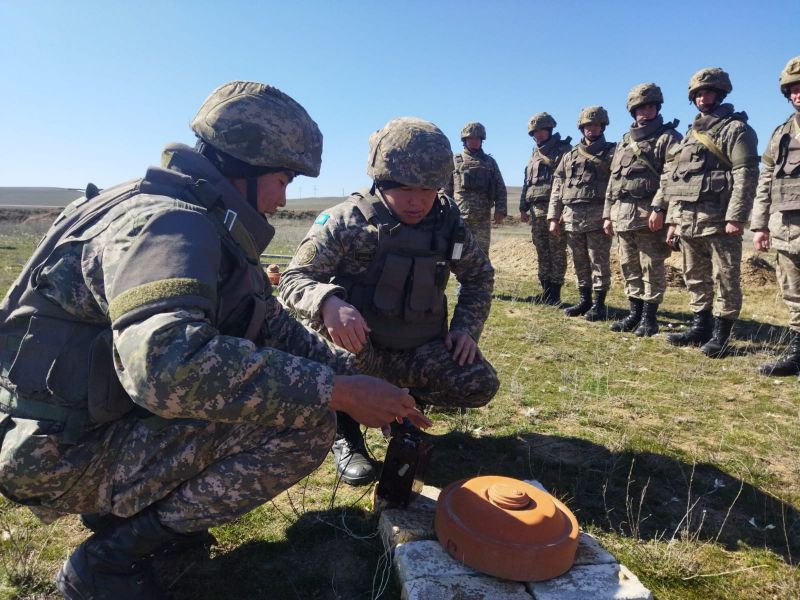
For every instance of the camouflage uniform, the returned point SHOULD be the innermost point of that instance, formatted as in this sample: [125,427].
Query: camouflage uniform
[476,186]
[145,363]
[551,250]
[705,192]
[634,181]
[338,253]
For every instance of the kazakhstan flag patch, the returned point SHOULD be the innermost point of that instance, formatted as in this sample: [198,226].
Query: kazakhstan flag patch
[321,219]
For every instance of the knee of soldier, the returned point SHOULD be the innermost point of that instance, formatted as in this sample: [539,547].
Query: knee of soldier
[482,387]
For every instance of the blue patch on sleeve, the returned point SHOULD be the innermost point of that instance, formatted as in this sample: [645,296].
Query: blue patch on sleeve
[322,218]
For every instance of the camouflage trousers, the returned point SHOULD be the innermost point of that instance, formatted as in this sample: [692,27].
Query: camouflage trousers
[591,258]
[481,228]
[789,281]
[431,374]
[713,261]
[196,474]
[641,258]
[551,250]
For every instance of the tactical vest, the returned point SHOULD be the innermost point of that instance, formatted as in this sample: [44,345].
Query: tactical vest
[539,174]
[785,190]
[471,174]
[699,169]
[586,176]
[635,170]
[54,367]
[402,292]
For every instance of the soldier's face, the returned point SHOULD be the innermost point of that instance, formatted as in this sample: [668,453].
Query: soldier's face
[705,100]
[541,136]
[410,204]
[794,96]
[272,192]
[592,131]
[473,143]
[645,113]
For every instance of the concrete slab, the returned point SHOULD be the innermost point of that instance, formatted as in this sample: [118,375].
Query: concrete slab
[598,582]
[458,587]
[590,552]
[398,526]
[426,559]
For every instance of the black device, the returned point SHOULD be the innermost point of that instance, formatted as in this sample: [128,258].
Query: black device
[404,467]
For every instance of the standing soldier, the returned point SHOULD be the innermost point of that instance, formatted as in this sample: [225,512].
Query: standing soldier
[633,212]
[372,272]
[551,250]
[710,182]
[477,185]
[776,215]
[579,190]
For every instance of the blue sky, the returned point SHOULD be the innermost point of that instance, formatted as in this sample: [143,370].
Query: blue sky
[91,91]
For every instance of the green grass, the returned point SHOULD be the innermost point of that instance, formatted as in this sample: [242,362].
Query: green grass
[686,468]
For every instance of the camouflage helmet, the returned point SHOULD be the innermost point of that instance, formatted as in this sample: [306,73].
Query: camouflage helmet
[790,75]
[593,114]
[712,78]
[412,152]
[473,130]
[261,126]
[644,93]
[541,120]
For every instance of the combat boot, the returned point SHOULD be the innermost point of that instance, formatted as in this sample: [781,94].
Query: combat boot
[97,522]
[717,346]
[788,363]
[543,297]
[583,305]
[599,310]
[114,564]
[553,294]
[633,317]
[648,325]
[350,452]
[698,334]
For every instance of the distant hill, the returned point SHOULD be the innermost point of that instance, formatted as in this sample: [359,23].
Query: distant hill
[37,197]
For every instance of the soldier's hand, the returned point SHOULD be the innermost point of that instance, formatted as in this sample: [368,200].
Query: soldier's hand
[499,218]
[734,228]
[464,348]
[555,227]
[761,240]
[345,324]
[655,221]
[524,217]
[374,402]
[670,233]
[608,227]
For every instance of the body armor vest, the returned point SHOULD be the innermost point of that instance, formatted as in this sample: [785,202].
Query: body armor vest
[785,190]
[472,174]
[56,367]
[543,162]
[402,293]
[697,171]
[587,176]
[636,170]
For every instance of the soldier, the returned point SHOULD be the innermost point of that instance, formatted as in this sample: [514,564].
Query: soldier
[372,273]
[776,215]
[477,185]
[709,183]
[551,250]
[632,211]
[148,378]
[579,189]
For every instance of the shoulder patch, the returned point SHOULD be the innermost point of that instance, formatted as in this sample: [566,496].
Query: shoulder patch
[321,219]
[306,253]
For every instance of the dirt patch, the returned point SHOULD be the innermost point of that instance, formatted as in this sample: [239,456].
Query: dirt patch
[28,215]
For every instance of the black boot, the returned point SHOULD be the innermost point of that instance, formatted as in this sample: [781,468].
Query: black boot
[598,311]
[97,522]
[717,346]
[543,297]
[788,363]
[553,294]
[633,317]
[698,334]
[114,564]
[648,325]
[350,452]
[583,305]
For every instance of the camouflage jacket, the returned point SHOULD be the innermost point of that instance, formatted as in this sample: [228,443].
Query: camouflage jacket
[342,243]
[159,273]
[705,187]
[538,178]
[579,186]
[777,203]
[477,185]
[636,172]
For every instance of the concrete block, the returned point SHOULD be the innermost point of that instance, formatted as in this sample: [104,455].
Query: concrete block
[598,582]
[398,526]
[464,588]
[590,552]
[426,559]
